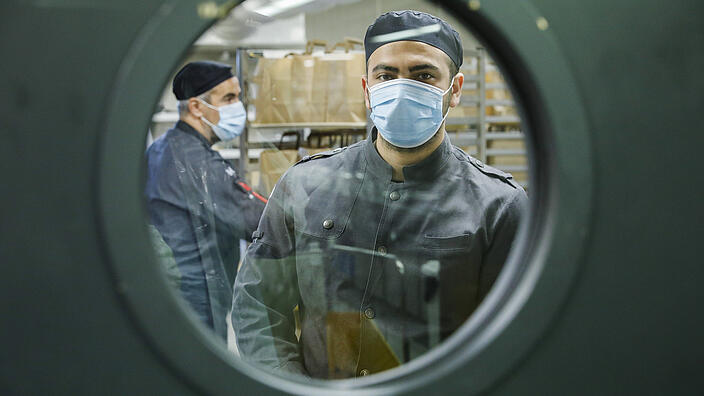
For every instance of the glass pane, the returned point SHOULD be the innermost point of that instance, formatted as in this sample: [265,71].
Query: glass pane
[329,212]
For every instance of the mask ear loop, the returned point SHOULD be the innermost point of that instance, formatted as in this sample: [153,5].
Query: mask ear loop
[206,103]
[210,124]
[213,127]
[443,95]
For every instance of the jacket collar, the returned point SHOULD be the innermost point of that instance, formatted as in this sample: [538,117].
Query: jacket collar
[189,130]
[427,169]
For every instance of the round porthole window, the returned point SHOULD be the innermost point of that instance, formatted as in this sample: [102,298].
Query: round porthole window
[344,195]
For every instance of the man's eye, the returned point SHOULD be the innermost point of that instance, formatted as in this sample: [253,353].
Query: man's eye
[385,77]
[425,76]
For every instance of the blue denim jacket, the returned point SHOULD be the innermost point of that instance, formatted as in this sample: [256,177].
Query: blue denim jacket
[199,205]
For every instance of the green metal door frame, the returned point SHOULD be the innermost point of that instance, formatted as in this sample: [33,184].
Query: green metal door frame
[520,308]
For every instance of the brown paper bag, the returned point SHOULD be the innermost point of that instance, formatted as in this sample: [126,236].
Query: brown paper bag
[303,88]
[345,99]
[346,334]
[305,100]
[273,101]
[273,164]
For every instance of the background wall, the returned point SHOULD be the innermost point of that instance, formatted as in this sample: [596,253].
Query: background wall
[352,20]
[333,25]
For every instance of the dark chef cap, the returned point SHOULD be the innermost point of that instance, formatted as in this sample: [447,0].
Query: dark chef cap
[199,77]
[413,26]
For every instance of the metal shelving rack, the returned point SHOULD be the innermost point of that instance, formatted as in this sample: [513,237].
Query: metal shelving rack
[477,133]
[245,142]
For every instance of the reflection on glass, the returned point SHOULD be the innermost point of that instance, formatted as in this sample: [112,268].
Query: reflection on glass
[391,211]
[199,206]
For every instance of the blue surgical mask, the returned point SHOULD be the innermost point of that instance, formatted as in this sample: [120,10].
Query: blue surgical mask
[232,119]
[407,112]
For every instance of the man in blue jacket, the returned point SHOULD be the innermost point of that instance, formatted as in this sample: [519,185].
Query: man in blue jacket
[196,199]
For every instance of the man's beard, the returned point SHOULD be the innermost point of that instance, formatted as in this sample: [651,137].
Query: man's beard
[432,140]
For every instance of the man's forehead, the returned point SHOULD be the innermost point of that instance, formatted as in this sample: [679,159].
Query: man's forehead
[229,85]
[408,54]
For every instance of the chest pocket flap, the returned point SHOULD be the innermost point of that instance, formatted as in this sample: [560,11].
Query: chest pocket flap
[323,210]
[458,242]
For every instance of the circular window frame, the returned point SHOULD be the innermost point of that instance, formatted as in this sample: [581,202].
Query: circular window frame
[520,307]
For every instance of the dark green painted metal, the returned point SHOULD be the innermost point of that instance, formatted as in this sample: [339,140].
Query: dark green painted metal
[64,330]
[608,304]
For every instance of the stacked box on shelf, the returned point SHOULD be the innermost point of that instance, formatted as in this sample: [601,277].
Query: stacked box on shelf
[499,101]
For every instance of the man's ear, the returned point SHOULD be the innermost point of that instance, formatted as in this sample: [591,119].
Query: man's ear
[194,107]
[365,85]
[456,90]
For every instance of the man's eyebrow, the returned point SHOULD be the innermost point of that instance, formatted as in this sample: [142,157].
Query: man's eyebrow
[385,67]
[425,66]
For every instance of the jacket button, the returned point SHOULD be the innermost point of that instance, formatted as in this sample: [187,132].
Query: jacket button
[328,224]
[394,195]
[381,250]
[364,372]
[370,313]
[479,163]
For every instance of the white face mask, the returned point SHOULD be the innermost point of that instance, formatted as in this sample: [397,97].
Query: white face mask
[232,120]
[407,112]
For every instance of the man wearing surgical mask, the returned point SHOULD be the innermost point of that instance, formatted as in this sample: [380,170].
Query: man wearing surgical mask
[383,248]
[197,201]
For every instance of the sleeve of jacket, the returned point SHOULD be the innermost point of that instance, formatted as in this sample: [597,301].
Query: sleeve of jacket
[503,229]
[266,292]
[235,206]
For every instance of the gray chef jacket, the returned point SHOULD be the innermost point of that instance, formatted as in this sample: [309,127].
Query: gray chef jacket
[351,273]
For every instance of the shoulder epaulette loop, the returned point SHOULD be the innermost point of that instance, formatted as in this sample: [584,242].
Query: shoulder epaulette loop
[324,154]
